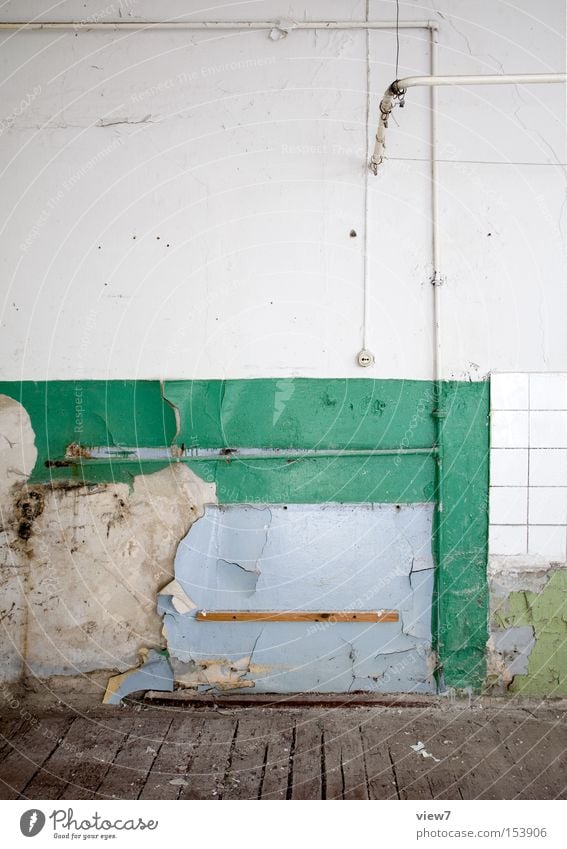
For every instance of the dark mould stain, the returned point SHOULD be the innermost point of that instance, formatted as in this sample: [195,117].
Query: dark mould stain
[28,507]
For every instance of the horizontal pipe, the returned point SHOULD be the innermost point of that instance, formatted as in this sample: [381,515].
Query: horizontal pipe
[215,25]
[79,454]
[398,88]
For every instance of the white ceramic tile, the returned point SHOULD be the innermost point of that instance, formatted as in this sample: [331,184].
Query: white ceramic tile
[508,505]
[509,467]
[548,391]
[509,429]
[548,505]
[548,429]
[507,539]
[548,541]
[548,467]
[509,391]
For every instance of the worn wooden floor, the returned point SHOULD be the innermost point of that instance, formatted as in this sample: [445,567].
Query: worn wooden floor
[263,753]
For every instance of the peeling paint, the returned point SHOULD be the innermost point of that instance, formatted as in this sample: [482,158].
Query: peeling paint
[155,674]
[180,601]
[180,415]
[528,643]
[81,564]
[302,557]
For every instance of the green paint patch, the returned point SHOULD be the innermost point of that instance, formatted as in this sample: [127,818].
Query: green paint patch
[546,613]
[461,535]
[301,413]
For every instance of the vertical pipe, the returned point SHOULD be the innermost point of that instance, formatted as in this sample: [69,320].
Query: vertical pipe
[438,401]
[366,204]
[435,243]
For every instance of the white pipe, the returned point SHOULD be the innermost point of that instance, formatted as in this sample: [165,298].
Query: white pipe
[435,241]
[398,88]
[285,25]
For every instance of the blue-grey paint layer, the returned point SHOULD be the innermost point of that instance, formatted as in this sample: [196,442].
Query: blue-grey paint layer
[305,557]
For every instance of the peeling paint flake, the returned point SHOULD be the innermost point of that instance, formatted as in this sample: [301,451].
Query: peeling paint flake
[155,674]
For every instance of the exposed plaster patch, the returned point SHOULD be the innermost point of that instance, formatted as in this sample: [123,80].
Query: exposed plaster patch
[217,673]
[83,566]
[18,453]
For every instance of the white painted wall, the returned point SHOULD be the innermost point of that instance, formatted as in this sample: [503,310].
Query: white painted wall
[246,157]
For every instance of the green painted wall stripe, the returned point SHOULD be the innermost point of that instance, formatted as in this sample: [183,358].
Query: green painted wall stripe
[304,413]
[462,591]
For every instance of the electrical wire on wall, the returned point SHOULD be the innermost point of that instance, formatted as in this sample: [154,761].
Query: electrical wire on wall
[365,358]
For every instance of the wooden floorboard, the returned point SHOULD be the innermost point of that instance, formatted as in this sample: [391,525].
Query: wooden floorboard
[204,752]
[133,762]
[377,761]
[248,760]
[29,752]
[174,758]
[307,771]
[210,768]
[75,767]
[344,772]
[276,778]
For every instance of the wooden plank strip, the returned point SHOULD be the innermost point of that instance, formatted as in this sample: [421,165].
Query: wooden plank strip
[11,728]
[307,775]
[75,760]
[276,771]
[174,758]
[128,774]
[344,767]
[92,764]
[536,754]
[375,732]
[297,616]
[211,763]
[411,768]
[29,753]
[481,765]
[244,779]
